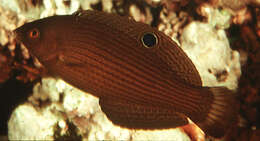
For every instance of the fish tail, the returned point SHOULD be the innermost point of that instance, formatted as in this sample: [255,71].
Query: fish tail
[222,114]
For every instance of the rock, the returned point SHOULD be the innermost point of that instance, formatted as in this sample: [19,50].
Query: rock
[210,52]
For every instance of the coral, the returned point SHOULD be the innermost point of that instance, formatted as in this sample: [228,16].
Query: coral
[55,102]
[209,50]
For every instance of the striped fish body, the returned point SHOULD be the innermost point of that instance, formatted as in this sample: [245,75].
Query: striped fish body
[143,79]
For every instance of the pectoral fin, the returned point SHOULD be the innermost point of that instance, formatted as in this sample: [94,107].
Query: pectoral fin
[137,116]
[69,61]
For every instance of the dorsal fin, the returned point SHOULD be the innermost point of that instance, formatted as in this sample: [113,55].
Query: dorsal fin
[179,62]
[168,51]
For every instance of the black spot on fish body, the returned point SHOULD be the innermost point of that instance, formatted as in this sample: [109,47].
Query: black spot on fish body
[149,40]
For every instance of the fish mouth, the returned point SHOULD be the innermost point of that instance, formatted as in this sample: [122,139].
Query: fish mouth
[18,38]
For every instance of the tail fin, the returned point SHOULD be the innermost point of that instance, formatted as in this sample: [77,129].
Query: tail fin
[223,113]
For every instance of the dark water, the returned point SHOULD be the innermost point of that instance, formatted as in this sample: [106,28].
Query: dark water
[13,93]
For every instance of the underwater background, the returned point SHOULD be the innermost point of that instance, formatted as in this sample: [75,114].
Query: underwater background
[221,37]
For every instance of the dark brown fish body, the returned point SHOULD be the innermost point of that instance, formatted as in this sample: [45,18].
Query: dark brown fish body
[143,79]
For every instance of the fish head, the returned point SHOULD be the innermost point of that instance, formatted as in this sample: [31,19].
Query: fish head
[44,38]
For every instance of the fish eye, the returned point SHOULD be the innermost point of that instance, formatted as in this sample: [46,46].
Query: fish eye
[34,33]
[149,40]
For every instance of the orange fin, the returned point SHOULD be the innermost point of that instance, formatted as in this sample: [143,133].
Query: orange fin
[223,113]
[135,116]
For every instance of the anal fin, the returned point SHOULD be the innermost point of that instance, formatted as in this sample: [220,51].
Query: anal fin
[135,116]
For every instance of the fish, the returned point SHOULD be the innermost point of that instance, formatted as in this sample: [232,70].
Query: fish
[142,78]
